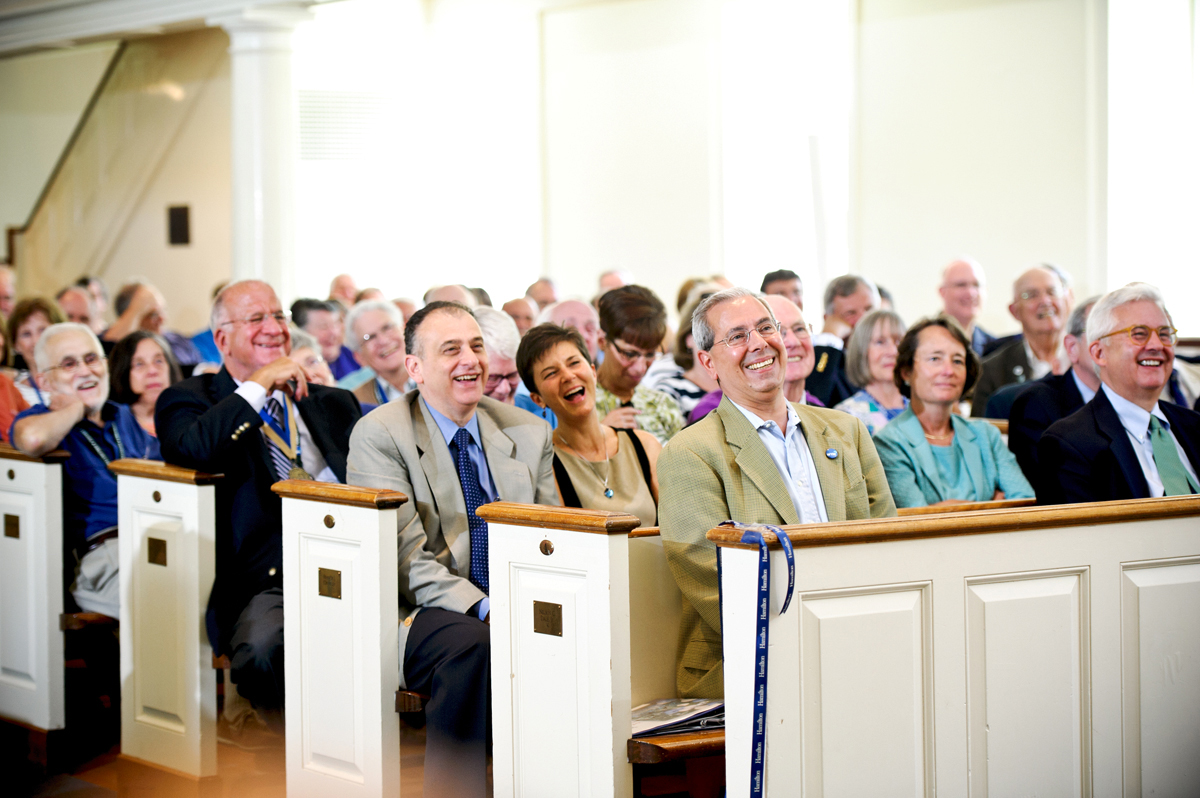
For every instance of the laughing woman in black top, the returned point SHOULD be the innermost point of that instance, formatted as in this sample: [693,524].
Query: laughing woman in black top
[595,465]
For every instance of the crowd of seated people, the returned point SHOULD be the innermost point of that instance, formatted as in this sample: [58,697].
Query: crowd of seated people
[557,400]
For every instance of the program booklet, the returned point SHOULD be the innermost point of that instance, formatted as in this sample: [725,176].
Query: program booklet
[678,716]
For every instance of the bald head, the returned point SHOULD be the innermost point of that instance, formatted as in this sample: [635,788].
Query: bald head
[963,290]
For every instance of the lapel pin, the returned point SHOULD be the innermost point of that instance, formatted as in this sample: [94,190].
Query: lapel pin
[831,454]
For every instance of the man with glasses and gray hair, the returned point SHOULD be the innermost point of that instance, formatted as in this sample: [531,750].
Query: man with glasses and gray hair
[257,421]
[73,376]
[375,334]
[1124,443]
[756,458]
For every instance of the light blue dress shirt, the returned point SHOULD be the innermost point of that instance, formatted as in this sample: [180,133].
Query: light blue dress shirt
[475,451]
[794,462]
[1087,393]
[1136,422]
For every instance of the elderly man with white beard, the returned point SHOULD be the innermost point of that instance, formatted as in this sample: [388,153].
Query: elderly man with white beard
[73,376]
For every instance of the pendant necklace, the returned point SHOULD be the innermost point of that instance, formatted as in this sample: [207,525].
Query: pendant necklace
[608,492]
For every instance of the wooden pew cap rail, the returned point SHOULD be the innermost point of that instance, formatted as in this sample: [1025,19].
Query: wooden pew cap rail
[644,532]
[8,452]
[572,519]
[1003,504]
[972,523]
[330,493]
[155,469]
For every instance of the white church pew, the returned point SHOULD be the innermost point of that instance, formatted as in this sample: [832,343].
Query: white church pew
[342,665]
[31,593]
[166,515]
[584,624]
[1047,651]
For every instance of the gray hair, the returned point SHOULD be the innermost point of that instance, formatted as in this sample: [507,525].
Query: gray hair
[1102,319]
[353,339]
[41,357]
[845,286]
[702,332]
[1077,321]
[304,340]
[220,314]
[858,367]
[500,336]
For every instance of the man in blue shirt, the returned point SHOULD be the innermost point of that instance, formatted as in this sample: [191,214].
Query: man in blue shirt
[73,376]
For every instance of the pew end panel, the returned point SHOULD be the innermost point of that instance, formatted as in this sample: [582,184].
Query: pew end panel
[167,546]
[342,661]
[560,590]
[655,612]
[1058,633]
[31,590]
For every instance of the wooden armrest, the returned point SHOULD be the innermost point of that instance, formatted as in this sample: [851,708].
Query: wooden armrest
[156,469]
[330,493]
[1001,504]
[408,702]
[670,747]
[644,532]
[8,452]
[74,621]
[572,519]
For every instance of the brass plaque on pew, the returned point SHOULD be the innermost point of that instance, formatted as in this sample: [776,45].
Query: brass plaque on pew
[547,618]
[12,526]
[157,551]
[329,583]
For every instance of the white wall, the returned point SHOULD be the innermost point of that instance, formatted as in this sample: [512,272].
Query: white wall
[1153,158]
[977,133]
[41,99]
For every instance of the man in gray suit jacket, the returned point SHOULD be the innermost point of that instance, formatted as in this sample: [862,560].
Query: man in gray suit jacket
[449,449]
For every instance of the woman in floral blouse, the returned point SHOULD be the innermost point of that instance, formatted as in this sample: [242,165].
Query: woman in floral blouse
[870,362]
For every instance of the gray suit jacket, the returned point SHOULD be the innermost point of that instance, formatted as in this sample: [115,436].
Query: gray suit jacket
[399,446]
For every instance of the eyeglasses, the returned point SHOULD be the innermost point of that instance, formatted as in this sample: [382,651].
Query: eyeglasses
[494,380]
[632,355]
[1140,334]
[70,365]
[258,319]
[1037,294]
[739,338]
[384,330]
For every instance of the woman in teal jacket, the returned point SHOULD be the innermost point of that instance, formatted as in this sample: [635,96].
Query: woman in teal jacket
[930,454]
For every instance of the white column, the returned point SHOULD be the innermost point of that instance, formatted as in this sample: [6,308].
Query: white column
[264,142]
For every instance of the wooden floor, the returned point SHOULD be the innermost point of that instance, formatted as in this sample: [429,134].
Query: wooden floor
[240,774]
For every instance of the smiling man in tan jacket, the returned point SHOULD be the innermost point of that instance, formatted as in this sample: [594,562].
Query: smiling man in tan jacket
[757,458]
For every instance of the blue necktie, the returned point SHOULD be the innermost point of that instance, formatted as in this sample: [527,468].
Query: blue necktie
[468,477]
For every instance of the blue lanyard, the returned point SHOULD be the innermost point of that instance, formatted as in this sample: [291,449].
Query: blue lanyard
[754,533]
[383,400]
[284,442]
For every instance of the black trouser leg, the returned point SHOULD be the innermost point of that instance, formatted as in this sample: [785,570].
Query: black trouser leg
[257,643]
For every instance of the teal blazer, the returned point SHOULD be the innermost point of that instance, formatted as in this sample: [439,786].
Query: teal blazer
[913,475]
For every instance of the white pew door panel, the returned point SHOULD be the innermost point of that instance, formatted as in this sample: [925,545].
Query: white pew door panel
[560,686]
[1028,722]
[31,645]
[1160,670]
[340,650]
[866,683]
[167,565]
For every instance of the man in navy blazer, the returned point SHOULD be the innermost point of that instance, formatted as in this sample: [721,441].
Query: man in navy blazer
[1042,402]
[1106,450]
[212,422]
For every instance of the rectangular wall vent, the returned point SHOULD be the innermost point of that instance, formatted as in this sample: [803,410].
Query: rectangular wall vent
[338,125]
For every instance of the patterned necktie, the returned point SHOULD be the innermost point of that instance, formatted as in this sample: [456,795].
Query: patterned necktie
[282,464]
[468,477]
[1175,478]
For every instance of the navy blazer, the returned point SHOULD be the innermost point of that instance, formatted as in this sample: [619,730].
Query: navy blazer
[1040,404]
[1087,456]
[202,425]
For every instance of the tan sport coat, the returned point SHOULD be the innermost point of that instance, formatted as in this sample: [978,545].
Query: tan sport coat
[399,446]
[718,469]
